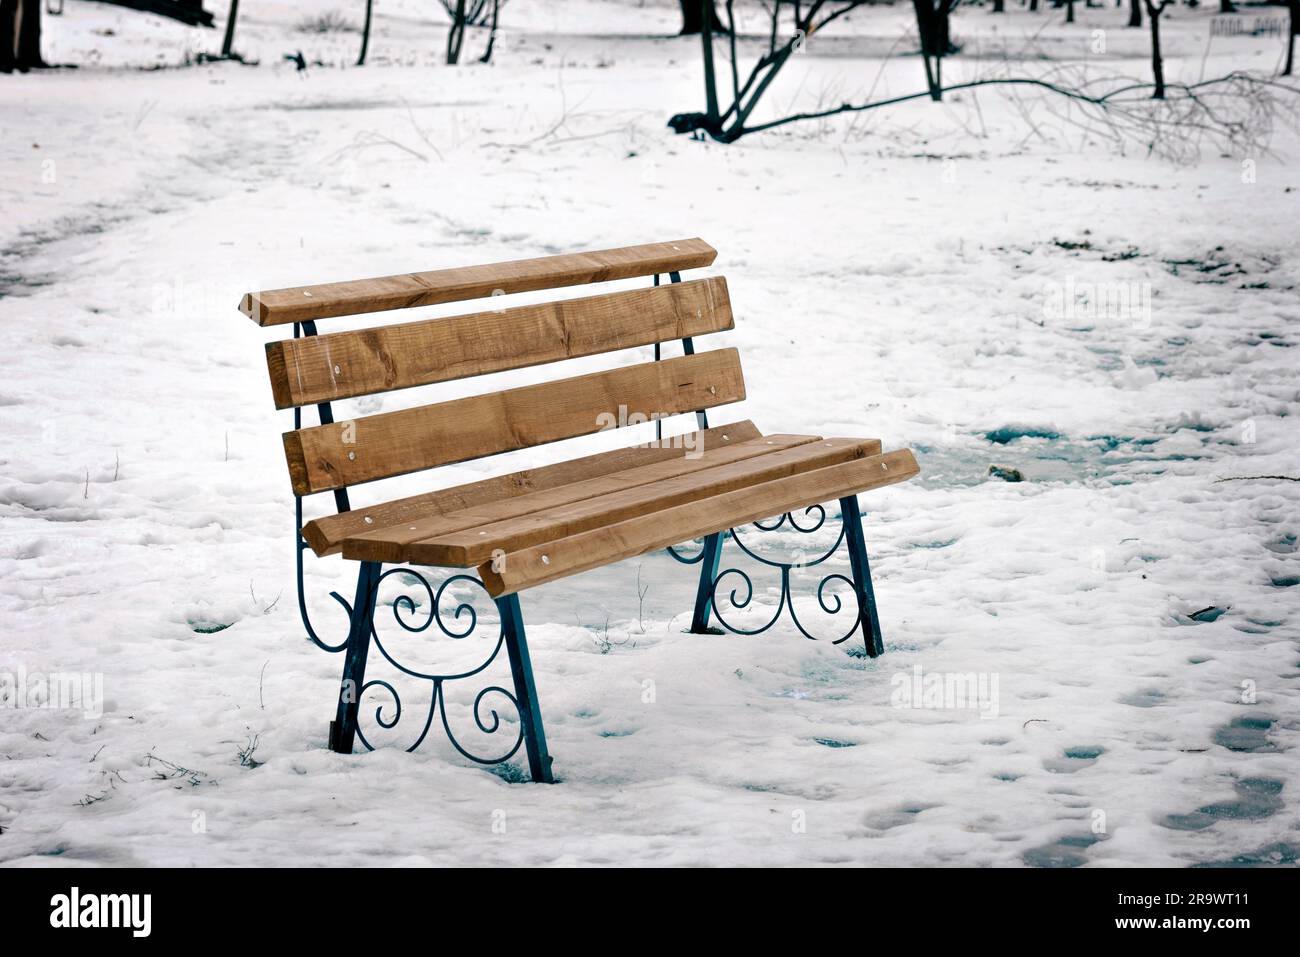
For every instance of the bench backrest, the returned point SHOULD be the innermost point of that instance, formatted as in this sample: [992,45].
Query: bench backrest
[317,369]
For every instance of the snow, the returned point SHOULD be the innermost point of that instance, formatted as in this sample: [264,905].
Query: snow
[901,277]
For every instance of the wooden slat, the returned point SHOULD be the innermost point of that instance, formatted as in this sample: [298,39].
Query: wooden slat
[394,443]
[472,545]
[325,535]
[301,303]
[394,544]
[546,562]
[347,364]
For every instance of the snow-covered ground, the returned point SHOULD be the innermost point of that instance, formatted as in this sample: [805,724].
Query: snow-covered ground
[928,275]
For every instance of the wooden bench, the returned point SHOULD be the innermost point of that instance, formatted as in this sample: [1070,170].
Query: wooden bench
[542,524]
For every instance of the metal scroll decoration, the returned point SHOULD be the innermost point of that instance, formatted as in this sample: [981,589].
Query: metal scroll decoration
[432,612]
[738,586]
[692,560]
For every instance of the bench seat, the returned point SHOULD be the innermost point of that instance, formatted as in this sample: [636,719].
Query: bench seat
[517,541]
[325,535]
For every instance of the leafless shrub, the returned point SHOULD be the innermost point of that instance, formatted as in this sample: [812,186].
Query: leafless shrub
[246,759]
[478,13]
[330,21]
[169,771]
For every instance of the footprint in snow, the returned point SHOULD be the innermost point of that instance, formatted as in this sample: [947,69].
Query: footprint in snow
[1065,852]
[1075,759]
[1143,698]
[1257,798]
[1247,733]
[897,817]
[1271,855]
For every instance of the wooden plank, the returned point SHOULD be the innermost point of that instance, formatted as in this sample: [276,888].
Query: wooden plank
[325,535]
[548,561]
[347,453]
[346,364]
[394,544]
[274,307]
[472,545]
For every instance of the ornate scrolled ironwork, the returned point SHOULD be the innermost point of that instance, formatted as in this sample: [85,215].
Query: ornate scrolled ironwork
[457,623]
[741,595]
[465,619]
[672,550]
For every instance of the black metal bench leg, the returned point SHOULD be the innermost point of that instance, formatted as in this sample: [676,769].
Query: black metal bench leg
[343,729]
[856,542]
[521,668]
[704,593]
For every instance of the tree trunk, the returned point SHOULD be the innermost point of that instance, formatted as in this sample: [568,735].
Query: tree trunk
[1157,64]
[999,6]
[492,33]
[693,17]
[1135,13]
[1294,7]
[1227,6]
[29,36]
[710,75]
[1069,11]
[228,44]
[365,33]
[932,29]
[8,35]
[456,35]
[1033,6]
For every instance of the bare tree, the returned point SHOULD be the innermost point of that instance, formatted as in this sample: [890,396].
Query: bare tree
[694,16]
[932,19]
[729,125]
[456,34]
[470,13]
[1293,7]
[10,31]
[1232,112]
[1157,62]
[228,44]
[365,33]
[492,32]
